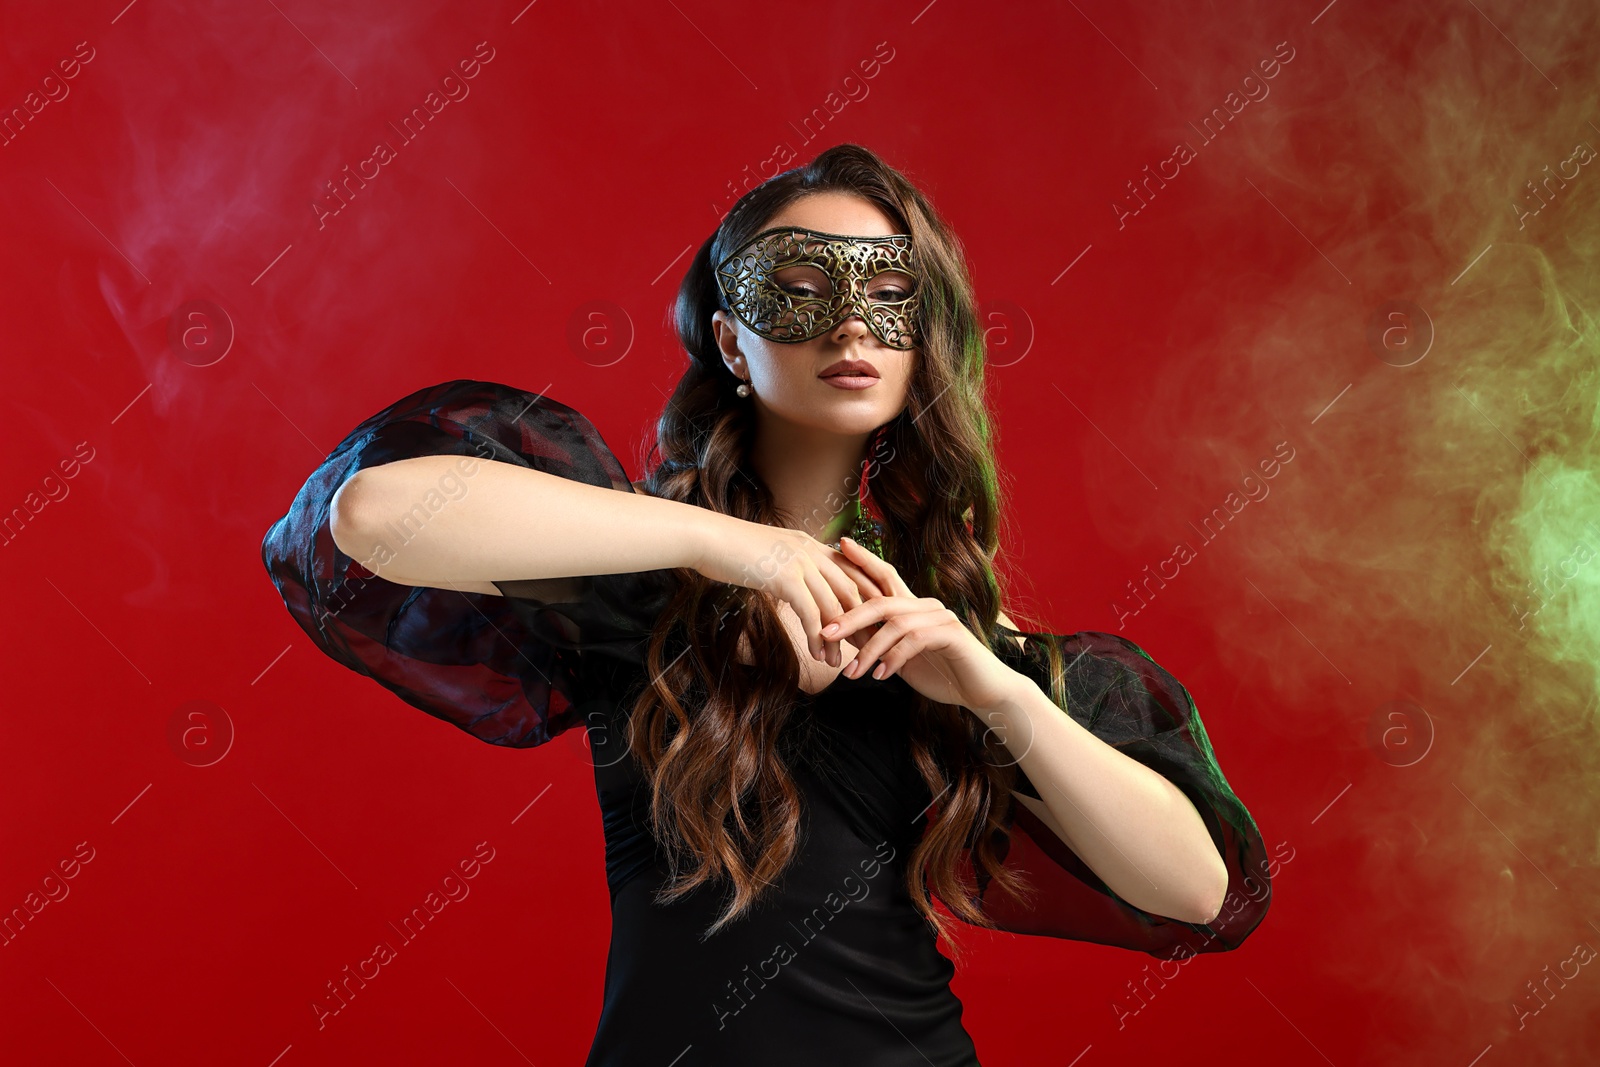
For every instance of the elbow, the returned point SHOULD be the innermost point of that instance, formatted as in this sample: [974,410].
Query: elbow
[1207,913]
[347,511]
[1209,904]
[1202,899]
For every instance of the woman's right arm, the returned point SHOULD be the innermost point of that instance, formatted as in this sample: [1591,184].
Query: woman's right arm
[509,523]
[410,522]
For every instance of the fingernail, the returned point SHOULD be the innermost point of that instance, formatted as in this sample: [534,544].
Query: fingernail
[851,666]
[878,671]
[831,629]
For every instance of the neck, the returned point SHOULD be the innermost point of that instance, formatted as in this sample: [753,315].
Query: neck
[814,476]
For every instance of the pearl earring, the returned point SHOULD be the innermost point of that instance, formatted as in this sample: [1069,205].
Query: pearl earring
[743,389]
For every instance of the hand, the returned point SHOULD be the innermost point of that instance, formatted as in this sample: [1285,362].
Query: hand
[818,582]
[923,640]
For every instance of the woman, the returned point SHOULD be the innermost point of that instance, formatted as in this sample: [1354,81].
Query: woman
[795,738]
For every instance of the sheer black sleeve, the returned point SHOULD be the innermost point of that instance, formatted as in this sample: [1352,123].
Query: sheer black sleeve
[1122,696]
[509,669]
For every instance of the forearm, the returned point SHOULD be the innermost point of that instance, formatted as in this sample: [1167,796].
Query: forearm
[1131,825]
[464,519]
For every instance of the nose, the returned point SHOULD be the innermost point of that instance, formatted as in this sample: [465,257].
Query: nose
[851,325]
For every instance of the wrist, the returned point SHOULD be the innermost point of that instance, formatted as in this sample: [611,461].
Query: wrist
[1016,692]
[693,534]
[703,531]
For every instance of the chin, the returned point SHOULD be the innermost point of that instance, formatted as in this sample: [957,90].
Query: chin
[860,418]
[846,415]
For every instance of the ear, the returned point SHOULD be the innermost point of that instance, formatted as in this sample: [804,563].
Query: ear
[727,333]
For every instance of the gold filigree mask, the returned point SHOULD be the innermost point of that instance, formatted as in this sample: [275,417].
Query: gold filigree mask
[790,284]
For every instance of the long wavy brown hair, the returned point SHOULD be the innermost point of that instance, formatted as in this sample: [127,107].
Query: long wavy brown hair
[722,797]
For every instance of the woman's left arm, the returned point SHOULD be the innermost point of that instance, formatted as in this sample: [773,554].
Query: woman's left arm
[1130,824]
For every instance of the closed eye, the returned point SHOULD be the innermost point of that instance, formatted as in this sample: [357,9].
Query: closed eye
[803,281]
[891,286]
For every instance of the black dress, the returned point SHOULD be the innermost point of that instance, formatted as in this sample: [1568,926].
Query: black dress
[837,966]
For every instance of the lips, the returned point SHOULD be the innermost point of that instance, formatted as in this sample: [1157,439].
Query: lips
[855,368]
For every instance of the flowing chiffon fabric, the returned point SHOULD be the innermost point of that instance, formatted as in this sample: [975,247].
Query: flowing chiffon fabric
[837,964]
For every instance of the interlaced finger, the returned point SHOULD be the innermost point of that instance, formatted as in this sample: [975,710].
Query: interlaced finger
[881,571]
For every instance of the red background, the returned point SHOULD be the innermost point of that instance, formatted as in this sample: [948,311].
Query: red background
[594,151]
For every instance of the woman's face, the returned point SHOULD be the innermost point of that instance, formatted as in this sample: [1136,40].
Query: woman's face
[787,379]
